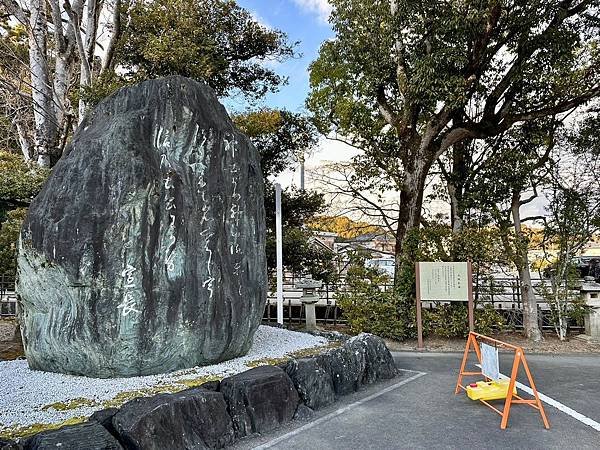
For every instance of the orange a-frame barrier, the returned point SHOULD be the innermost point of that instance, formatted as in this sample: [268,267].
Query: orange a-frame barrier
[511,397]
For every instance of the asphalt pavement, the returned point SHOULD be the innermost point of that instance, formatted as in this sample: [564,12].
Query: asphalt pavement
[418,410]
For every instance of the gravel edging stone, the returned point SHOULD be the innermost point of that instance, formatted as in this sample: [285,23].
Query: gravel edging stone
[258,400]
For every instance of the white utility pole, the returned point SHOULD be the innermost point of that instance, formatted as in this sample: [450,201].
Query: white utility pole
[302,171]
[279,251]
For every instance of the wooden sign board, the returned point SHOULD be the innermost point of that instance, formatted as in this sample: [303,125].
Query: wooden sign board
[446,281]
[443,281]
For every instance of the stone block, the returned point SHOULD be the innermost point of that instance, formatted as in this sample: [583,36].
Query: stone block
[191,419]
[345,366]
[104,417]
[85,436]
[7,444]
[312,381]
[379,363]
[260,399]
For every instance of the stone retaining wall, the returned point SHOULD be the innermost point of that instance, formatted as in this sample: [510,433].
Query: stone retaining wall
[216,414]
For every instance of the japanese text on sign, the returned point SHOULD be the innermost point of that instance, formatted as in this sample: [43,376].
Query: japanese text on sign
[444,281]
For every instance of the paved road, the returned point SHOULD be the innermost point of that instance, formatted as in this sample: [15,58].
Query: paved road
[421,411]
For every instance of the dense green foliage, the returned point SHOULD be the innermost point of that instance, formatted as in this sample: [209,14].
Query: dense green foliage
[391,313]
[9,234]
[585,136]
[369,308]
[19,183]
[407,81]
[215,41]
[280,136]
[451,320]
[437,242]
[425,60]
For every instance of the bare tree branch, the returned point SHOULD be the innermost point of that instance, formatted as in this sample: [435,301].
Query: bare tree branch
[384,108]
[13,7]
[343,185]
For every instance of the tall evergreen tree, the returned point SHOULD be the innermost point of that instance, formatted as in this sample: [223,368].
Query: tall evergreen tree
[405,81]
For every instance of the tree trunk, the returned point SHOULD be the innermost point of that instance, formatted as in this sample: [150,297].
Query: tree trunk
[456,212]
[409,218]
[46,129]
[115,30]
[87,55]
[521,260]
[456,184]
[23,140]
[530,312]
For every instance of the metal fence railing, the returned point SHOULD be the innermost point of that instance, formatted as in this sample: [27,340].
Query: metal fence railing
[8,298]
[503,294]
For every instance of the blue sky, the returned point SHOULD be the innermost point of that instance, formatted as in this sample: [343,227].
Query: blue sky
[303,21]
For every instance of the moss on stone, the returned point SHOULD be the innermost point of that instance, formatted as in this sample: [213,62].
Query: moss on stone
[267,362]
[313,351]
[195,382]
[18,432]
[304,353]
[123,397]
[70,404]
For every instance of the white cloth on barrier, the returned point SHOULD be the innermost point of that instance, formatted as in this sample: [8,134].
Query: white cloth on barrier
[490,367]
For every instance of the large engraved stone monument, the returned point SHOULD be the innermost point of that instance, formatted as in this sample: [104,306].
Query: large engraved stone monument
[144,252]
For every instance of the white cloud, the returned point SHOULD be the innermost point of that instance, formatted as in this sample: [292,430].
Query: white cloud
[326,152]
[258,18]
[321,7]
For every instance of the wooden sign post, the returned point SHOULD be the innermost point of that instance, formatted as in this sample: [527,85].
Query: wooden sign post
[443,281]
[511,397]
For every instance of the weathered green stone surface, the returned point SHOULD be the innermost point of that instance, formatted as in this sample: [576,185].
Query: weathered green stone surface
[144,252]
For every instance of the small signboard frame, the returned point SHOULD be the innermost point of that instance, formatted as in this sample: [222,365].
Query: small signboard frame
[443,281]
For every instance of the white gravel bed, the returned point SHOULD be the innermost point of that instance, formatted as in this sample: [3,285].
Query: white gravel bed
[24,392]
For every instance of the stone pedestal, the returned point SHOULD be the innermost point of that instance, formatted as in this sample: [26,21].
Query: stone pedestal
[591,294]
[311,316]
[309,299]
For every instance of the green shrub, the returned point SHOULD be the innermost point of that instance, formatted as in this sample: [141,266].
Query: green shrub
[379,313]
[488,320]
[373,312]
[577,311]
[367,307]
[19,181]
[451,320]
[392,314]
[9,234]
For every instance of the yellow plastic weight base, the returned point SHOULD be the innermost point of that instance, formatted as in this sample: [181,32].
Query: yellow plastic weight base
[489,390]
